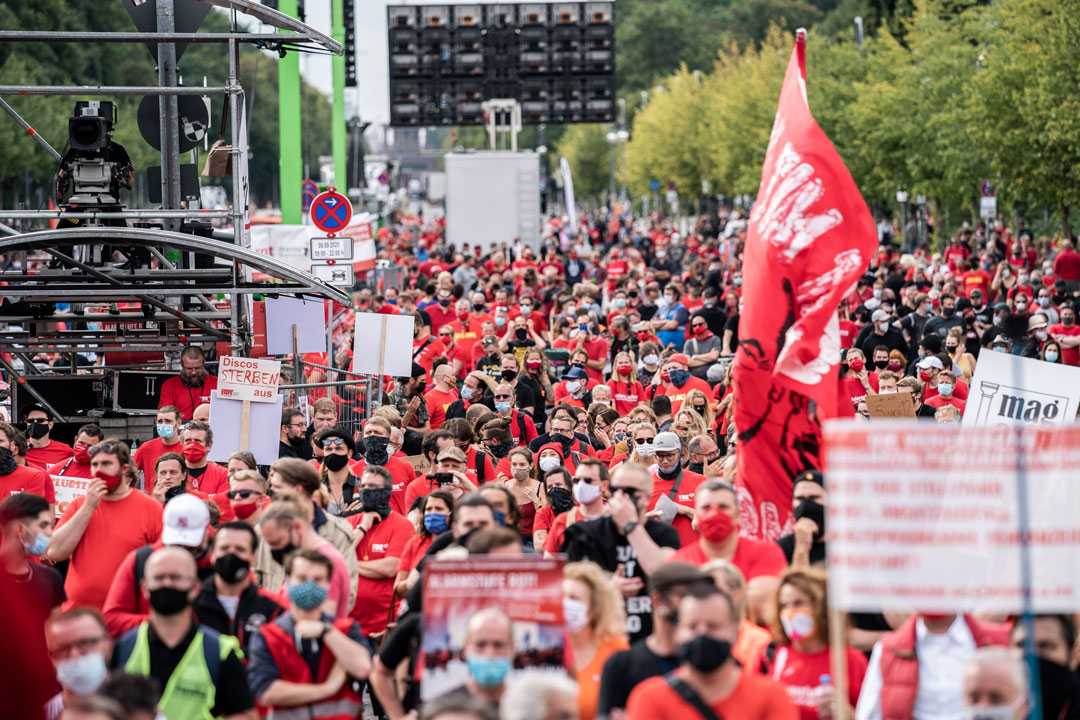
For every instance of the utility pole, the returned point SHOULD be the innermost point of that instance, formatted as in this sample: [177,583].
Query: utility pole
[339,146]
[289,127]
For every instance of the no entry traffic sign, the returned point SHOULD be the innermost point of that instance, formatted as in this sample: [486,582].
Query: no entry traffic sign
[331,212]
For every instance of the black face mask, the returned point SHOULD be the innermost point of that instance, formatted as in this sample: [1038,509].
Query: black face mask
[501,450]
[169,601]
[697,467]
[418,390]
[563,440]
[815,511]
[705,653]
[7,461]
[1057,687]
[335,462]
[521,333]
[881,364]
[376,500]
[508,375]
[37,430]
[174,491]
[948,312]
[560,500]
[668,474]
[231,568]
[280,554]
[375,452]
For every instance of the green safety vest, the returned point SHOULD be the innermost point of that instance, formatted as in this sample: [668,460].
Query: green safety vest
[189,694]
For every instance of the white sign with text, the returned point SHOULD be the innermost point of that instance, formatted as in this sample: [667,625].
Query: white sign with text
[1013,390]
[254,379]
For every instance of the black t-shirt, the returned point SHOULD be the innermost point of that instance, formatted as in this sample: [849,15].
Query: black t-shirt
[624,670]
[817,550]
[600,542]
[530,393]
[716,319]
[41,583]
[732,324]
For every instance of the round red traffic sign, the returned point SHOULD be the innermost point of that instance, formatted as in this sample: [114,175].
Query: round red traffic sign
[331,212]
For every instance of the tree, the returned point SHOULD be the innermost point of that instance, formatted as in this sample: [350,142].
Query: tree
[586,149]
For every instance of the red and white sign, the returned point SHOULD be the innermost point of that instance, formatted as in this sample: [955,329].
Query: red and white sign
[924,516]
[67,490]
[254,379]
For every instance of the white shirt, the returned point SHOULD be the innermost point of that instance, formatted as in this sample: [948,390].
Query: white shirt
[230,603]
[942,660]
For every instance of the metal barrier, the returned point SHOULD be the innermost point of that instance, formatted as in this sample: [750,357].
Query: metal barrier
[355,395]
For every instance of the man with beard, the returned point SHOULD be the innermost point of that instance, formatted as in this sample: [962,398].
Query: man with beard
[293,440]
[191,387]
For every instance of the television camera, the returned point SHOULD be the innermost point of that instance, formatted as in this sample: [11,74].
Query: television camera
[94,168]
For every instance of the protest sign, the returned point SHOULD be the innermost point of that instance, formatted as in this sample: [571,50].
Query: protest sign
[67,490]
[253,379]
[528,590]
[244,425]
[295,322]
[1010,390]
[924,516]
[382,344]
[896,404]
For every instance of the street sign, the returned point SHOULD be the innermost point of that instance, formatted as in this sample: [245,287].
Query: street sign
[331,212]
[988,207]
[340,275]
[308,191]
[331,248]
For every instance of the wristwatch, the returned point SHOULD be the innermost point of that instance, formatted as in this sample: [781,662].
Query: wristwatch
[630,527]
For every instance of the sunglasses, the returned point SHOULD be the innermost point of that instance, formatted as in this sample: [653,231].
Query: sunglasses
[333,443]
[242,494]
[643,441]
[630,492]
[503,397]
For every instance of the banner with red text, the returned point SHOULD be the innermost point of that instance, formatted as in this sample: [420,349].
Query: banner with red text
[924,517]
[528,590]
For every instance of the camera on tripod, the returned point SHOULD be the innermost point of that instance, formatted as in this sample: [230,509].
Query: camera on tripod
[94,168]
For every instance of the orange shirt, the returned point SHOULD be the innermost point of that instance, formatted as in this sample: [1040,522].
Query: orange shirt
[115,529]
[437,402]
[754,698]
[588,677]
[750,646]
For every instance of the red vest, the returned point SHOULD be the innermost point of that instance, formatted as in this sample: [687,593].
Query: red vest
[900,666]
[346,704]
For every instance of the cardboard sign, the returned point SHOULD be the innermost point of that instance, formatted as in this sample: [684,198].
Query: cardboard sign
[253,379]
[382,344]
[529,591]
[418,462]
[245,425]
[923,516]
[331,248]
[307,316]
[67,490]
[894,405]
[1013,390]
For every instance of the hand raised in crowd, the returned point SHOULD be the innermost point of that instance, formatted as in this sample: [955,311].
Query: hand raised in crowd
[804,530]
[309,629]
[628,586]
[95,491]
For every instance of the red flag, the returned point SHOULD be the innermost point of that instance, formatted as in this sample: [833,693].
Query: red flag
[810,238]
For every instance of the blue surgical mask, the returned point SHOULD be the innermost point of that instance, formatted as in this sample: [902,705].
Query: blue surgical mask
[945,389]
[39,546]
[166,432]
[499,321]
[82,675]
[436,523]
[489,672]
[1052,356]
[466,392]
[500,518]
[502,406]
[307,595]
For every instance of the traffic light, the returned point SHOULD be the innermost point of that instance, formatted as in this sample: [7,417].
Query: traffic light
[350,42]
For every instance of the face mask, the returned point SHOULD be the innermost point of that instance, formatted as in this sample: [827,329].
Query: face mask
[38,546]
[376,500]
[111,481]
[651,359]
[375,450]
[895,365]
[560,500]
[924,375]
[717,527]
[573,386]
[1040,335]
[576,614]
[500,518]
[194,452]
[307,595]
[618,303]
[38,430]
[500,321]
[166,432]
[549,463]
[335,462]
[466,392]
[231,568]
[857,365]
[814,510]
[646,450]
[82,675]
[951,349]
[169,601]
[877,293]
[679,377]
[586,493]
[1020,307]
[526,309]
[798,624]
[948,312]
[436,523]
[280,554]
[705,653]
[696,467]
[244,510]
[488,672]
[82,454]
[533,365]
[444,301]
[1070,320]
[1044,302]
[509,375]
[624,370]
[701,331]
[883,327]
[945,389]
[881,364]
[1052,356]
[502,406]
[991,712]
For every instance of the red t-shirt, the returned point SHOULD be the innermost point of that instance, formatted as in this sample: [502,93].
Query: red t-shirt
[544,520]
[517,419]
[70,468]
[1069,356]
[185,399]
[755,558]
[437,402]
[386,538]
[115,529]
[1067,265]
[420,487]
[214,480]
[414,551]
[975,280]
[849,330]
[626,395]
[938,401]
[440,315]
[755,698]
[27,480]
[801,673]
[146,457]
[51,454]
[400,474]
[676,395]
[685,496]
[467,334]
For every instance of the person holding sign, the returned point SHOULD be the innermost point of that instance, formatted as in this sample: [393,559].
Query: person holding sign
[192,386]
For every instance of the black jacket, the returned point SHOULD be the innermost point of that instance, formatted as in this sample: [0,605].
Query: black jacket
[256,607]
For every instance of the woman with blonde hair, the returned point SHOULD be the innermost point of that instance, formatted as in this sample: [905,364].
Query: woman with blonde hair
[956,348]
[801,631]
[642,436]
[699,402]
[688,424]
[596,626]
[752,641]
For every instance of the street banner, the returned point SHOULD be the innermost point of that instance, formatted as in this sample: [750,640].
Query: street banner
[810,238]
[67,490]
[528,590]
[1010,390]
[925,516]
[254,379]
[382,344]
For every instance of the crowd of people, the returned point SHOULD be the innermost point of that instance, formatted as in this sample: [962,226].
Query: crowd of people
[573,401]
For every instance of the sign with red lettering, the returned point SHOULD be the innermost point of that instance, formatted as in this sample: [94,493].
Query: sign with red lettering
[924,516]
[528,591]
[254,379]
[67,490]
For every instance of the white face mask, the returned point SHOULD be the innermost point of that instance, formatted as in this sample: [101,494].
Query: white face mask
[992,712]
[646,450]
[549,463]
[82,675]
[586,493]
[576,614]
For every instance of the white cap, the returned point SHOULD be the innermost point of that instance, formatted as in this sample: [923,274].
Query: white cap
[879,316]
[667,442]
[186,519]
[930,361]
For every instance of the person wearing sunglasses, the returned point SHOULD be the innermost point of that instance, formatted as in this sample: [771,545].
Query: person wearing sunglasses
[246,497]
[338,481]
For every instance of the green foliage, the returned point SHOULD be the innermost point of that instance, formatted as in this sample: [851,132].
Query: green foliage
[587,150]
